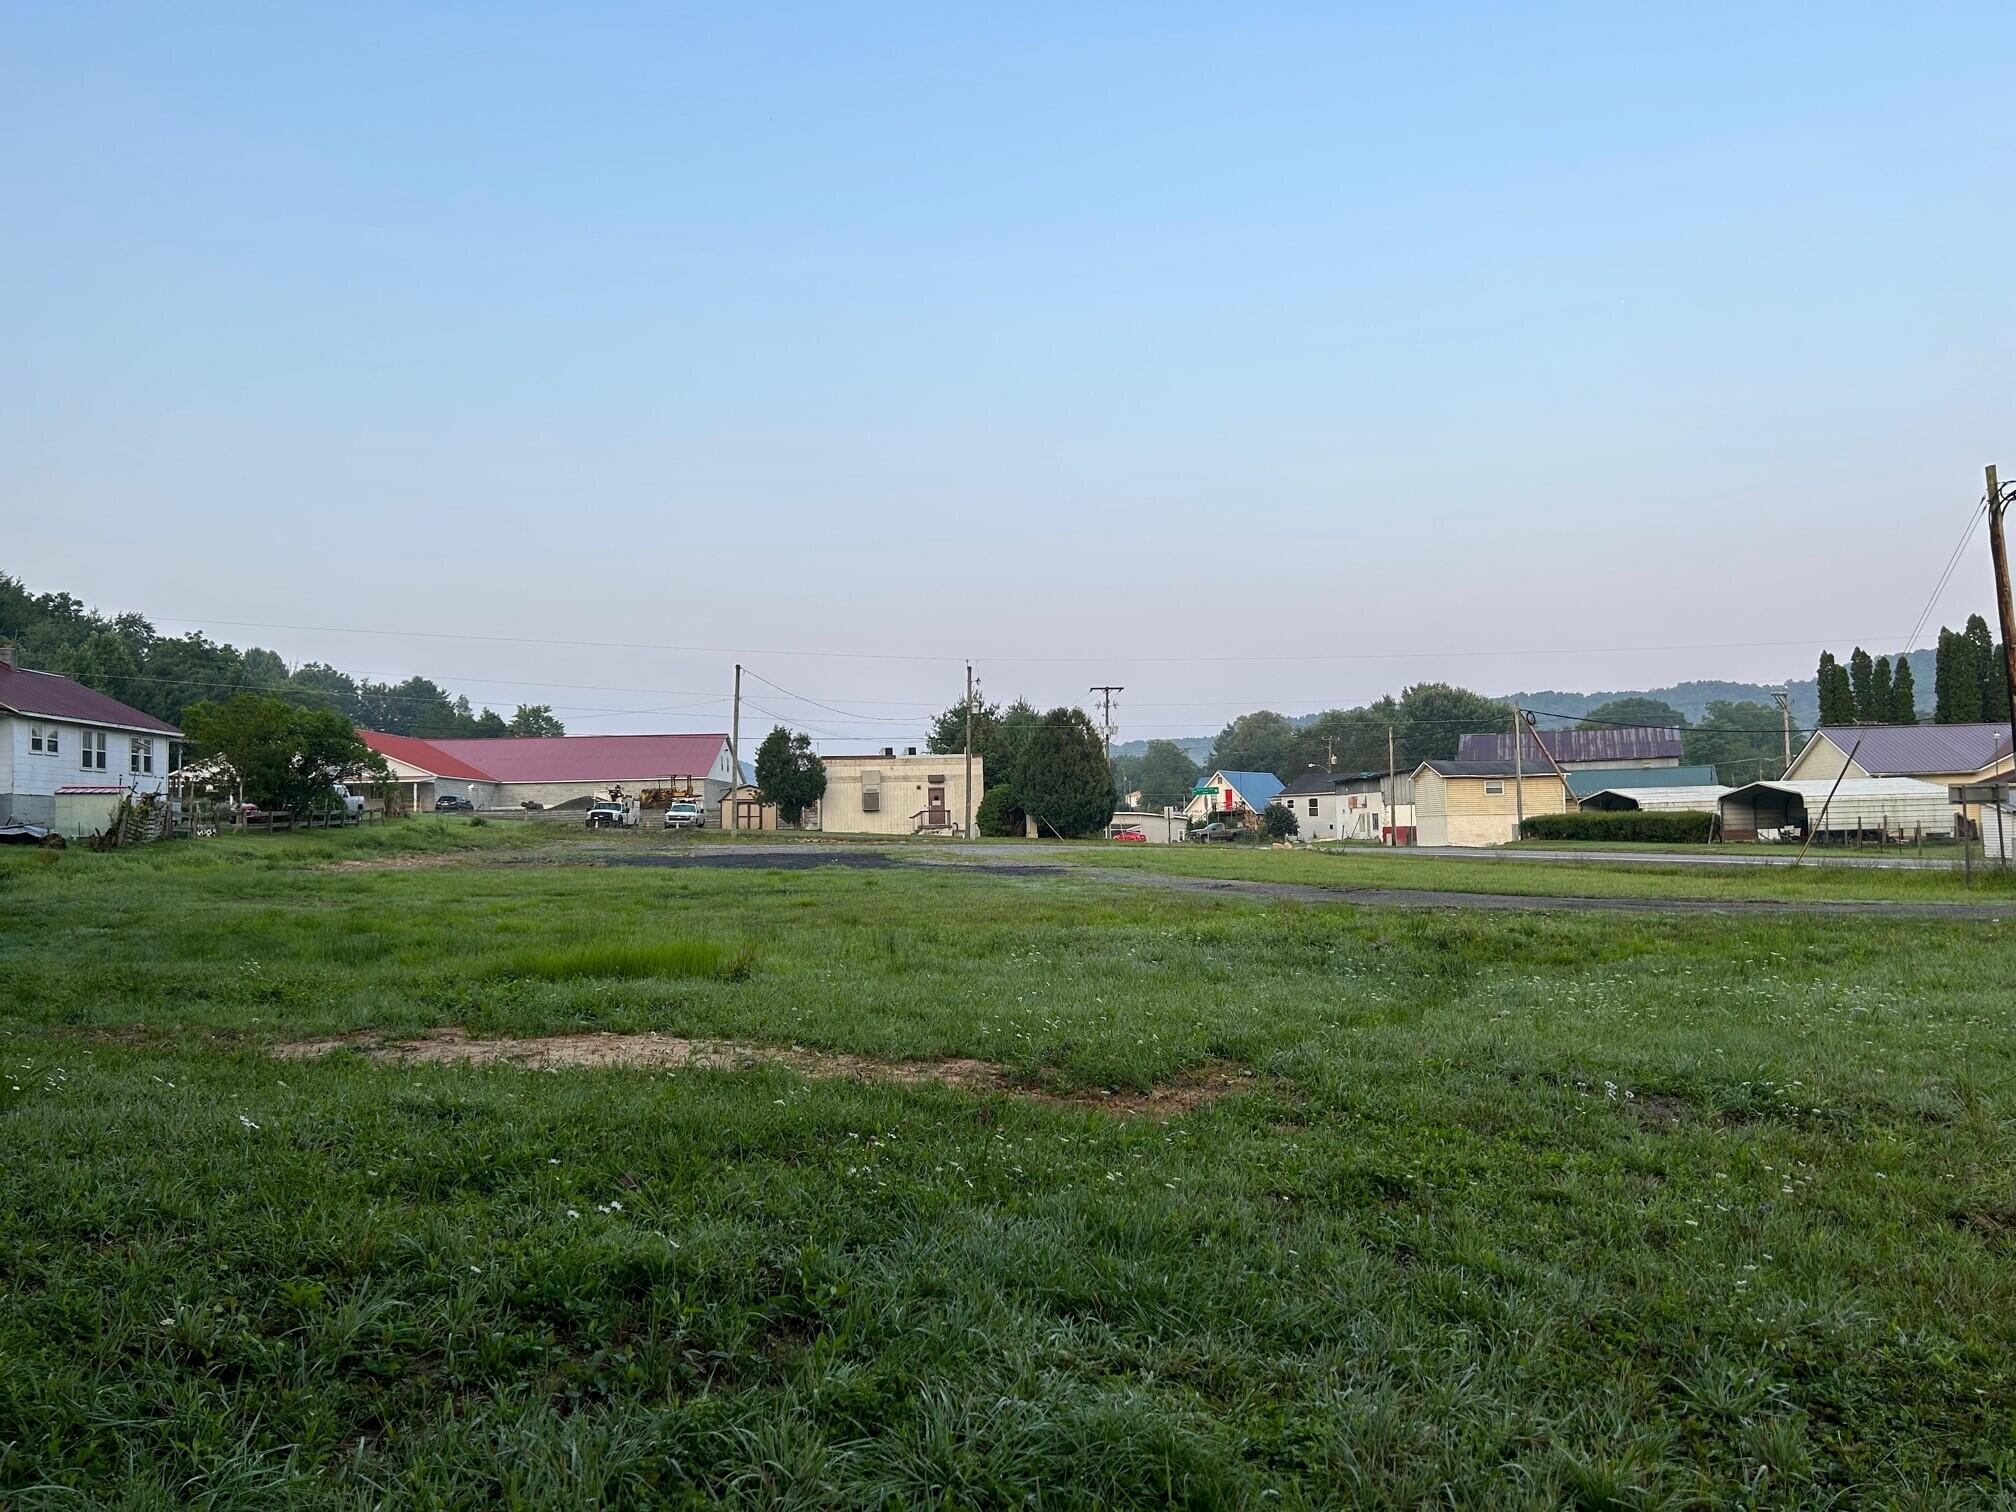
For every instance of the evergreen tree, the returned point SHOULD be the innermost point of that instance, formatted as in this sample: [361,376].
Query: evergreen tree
[1991,676]
[1958,686]
[1904,694]
[1882,710]
[1061,777]
[1837,704]
[1861,676]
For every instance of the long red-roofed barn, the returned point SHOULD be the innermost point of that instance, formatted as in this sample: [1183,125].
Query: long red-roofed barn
[550,770]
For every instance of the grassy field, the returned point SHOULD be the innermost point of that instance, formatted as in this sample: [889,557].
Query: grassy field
[1373,867]
[1532,1209]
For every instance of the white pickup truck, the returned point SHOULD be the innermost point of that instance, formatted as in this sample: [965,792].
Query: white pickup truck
[353,803]
[685,814]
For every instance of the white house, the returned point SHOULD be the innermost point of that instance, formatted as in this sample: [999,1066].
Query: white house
[68,753]
[1347,805]
[1235,798]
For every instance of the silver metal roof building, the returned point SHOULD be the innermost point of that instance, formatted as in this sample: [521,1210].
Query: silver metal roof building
[1894,805]
[1702,799]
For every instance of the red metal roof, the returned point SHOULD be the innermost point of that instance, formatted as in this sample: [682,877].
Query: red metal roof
[424,754]
[56,697]
[556,758]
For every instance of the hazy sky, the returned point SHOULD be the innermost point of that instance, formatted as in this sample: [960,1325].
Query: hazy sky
[1484,343]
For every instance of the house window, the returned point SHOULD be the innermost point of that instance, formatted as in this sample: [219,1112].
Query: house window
[35,738]
[141,758]
[92,755]
[1312,808]
[1495,788]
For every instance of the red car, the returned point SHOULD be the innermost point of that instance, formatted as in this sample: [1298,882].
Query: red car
[1131,834]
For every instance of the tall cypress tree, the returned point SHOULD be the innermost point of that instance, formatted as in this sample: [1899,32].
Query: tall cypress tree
[1861,677]
[1982,662]
[1960,690]
[1904,694]
[1832,710]
[1881,709]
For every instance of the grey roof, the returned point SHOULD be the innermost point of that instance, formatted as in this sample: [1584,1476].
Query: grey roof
[1617,743]
[1540,772]
[1595,779]
[1905,750]
[1314,782]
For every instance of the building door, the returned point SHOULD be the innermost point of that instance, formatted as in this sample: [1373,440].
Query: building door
[936,804]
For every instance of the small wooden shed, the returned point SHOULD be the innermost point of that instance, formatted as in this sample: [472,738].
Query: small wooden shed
[743,808]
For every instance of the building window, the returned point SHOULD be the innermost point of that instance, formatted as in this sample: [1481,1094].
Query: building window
[34,737]
[92,755]
[1312,808]
[1495,788]
[141,759]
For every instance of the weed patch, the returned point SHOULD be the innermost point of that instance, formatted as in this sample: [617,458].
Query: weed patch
[634,958]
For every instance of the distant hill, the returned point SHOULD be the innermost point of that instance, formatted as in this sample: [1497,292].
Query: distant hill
[1690,698]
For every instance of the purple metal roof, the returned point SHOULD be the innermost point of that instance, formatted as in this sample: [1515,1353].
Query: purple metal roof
[1907,750]
[54,697]
[1623,743]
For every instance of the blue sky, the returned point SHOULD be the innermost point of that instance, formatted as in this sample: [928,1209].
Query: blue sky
[1453,343]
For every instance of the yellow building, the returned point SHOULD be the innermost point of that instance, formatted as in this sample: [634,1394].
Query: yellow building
[897,795]
[1478,802]
[1952,755]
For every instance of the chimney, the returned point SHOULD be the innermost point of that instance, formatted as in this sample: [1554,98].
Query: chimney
[8,651]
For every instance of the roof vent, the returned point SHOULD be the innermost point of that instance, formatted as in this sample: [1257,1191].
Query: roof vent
[909,750]
[888,750]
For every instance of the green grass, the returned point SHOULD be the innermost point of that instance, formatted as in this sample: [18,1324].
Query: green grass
[1527,1210]
[632,958]
[1368,867]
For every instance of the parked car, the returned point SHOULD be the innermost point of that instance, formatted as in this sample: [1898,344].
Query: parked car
[608,815]
[685,815]
[1133,835]
[448,803]
[1217,829]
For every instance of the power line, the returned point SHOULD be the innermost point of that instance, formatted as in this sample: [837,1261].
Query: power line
[1974,518]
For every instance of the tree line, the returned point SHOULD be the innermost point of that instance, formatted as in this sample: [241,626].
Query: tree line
[1970,683]
[125,657]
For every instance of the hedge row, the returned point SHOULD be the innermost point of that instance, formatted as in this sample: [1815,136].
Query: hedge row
[1621,824]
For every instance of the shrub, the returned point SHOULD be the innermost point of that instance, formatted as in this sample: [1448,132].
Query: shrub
[1622,824]
[1280,822]
[999,814]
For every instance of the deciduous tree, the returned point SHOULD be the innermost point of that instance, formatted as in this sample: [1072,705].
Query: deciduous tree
[286,756]
[789,773]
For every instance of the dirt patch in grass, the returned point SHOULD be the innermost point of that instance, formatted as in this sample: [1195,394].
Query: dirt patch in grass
[418,861]
[1990,1223]
[555,1052]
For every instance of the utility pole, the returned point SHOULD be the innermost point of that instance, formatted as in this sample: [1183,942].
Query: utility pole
[1107,693]
[1783,698]
[1518,777]
[1998,504]
[1392,792]
[735,733]
[969,751]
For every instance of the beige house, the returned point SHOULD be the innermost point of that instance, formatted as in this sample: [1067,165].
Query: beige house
[1945,755]
[896,795]
[1478,802]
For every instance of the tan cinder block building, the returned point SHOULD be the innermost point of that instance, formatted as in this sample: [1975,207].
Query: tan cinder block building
[1477,802]
[898,795]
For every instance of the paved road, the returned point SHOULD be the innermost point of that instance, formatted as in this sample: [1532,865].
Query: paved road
[1006,861]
